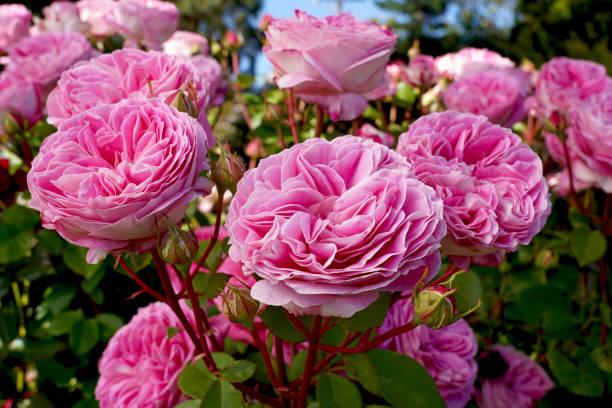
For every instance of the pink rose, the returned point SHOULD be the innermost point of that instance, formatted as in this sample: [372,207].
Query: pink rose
[210,69]
[186,44]
[327,225]
[447,354]
[332,61]
[422,71]
[109,177]
[140,366]
[565,82]
[42,59]
[14,24]
[493,94]
[456,65]
[495,196]
[522,385]
[60,16]
[20,99]
[94,13]
[146,22]
[122,74]
[367,131]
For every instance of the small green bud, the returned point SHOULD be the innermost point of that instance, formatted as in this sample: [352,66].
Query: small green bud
[178,246]
[239,306]
[435,306]
[227,172]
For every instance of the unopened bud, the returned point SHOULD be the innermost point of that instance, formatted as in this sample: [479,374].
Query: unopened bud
[183,101]
[254,149]
[178,246]
[547,259]
[232,40]
[9,124]
[435,306]
[265,21]
[227,172]
[239,306]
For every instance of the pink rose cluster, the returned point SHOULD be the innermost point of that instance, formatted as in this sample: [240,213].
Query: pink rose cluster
[111,175]
[421,71]
[14,25]
[333,61]
[494,193]
[327,225]
[368,131]
[141,365]
[522,384]
[447,354]
[186,44]
[60,16]
[94,12]
[457,65]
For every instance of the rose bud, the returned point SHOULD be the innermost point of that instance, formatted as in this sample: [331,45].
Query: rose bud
[228,170]
[239,306]
[435,306]
[178,246]
[185,101]
[254,149]
[231,40]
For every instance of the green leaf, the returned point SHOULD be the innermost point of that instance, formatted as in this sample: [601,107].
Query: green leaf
[50,241]
[222,359]
[469,291]
[405,95]
[238,371]
[587,246]
[210,284]
[576,378]
[84,336]
[370,317]
[42,349]
[57,299]
[274,96]
[195,380]
[535,300]
[14,243]
[296,369]
[222,395]
[194,403]
[137,262]
[90,284]
[359,367]
[171,331]
[404,382]
[334,391]
[63,322]
[20,217]
[74,257]
[245,80]
[109,324]
[261,374]
[277,321]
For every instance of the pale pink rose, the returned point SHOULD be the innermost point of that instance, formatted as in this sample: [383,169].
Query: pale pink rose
[327,225]
[111,176]
[42,59]
[210,69]
[493,94]
[14,24]
[367,131]
[422,71]
[565,82]
[522,385]
[495,196]
[94,12]
[186,44]
[123,74]
[456,65]
[60,16]
[20,99]
[332,61]
[146,22]
[447,354]
[140,366]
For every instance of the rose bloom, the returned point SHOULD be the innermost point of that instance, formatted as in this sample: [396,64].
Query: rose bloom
[522,385]
[186,44]
[493,94]
[14,24]
[495,196]
[367,131]
[42,59]
[148,22]
[111,176]
[140,366]
[565,82]
[327,225]
[122,74]
[210,69]
[20,99]
[456,65]
[332,61]
[589,141]
[422,71]
[447,354]
[60,16]
[94,13]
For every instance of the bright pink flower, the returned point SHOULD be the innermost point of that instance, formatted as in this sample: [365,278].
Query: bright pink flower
[522,385]
[332,61]
[122,74]
[327,225]
[210,69]
[146,22]
[42,59]
[493,94]
[495,196]
[456,65]
[422,71]
[109,177]
[14,24]
[447,354]
[565,82]
[140,366]
[60,16]
[94,12]
[20,99]
[367,131]
[186,44]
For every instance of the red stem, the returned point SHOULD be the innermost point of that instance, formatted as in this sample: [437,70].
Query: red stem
[570,173]
[297,323]
[27,153]
[296,140]
[266,357]
[280,360]
[139,281]
[320,116]
[310,361]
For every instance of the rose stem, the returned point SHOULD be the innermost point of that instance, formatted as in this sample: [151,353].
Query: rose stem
[603,268]
[266,357]
[382,114]
[297,323]
[571,179]
[213,240]
[143,285]
[320,116]
[237,88]
[280,360]
[281,139]
[296,140]
[310,361]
